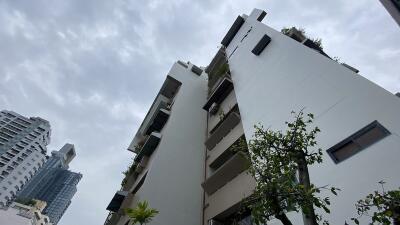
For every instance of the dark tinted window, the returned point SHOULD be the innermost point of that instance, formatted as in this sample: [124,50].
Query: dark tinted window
[357,142]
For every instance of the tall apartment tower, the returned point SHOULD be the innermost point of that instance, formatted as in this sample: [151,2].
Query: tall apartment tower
[184,164]
[23,150]
[54,183]
[393,8]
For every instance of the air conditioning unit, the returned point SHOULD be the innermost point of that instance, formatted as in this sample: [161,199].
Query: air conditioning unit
[214,108]
[214,222]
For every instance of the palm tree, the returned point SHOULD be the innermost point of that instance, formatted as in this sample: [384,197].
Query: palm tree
[141,213]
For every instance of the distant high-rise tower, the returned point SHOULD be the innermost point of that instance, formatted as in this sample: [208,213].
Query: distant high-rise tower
[23,150]
[54,184]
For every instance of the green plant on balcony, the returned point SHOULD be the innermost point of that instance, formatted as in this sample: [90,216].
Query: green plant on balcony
[140,144]
[141,214]
[214,77]
[26,201]
[288,30]
[221,115]
[131,168]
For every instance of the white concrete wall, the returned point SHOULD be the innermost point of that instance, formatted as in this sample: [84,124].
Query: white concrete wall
[176,170]
[289,76]
[11,217]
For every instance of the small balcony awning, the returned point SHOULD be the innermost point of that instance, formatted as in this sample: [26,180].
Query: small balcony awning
[159,120]
[149,146]
[116,201]
[231,120]
[223,89]
[234,166]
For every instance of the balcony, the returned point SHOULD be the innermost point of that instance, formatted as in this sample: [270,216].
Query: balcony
[112,219]
[218,160]
[158,113]
[159,120]
[224,87]
[149,146]
[116,201]
[234,166]
[222,129]
[129,181]
[142,164]
[129,201]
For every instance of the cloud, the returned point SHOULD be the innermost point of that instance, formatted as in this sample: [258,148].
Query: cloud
[92,68]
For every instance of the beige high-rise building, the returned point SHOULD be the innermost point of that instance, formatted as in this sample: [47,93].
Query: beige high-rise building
[24,214]
[184,165]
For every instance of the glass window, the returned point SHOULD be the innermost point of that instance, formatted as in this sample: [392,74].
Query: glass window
[358,141]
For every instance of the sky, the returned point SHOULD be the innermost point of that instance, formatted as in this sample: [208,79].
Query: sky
[92,68]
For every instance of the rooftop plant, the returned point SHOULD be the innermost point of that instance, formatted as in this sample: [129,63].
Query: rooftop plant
[287,30]
[26,201]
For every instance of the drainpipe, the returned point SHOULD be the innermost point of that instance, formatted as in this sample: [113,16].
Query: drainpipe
[205,174]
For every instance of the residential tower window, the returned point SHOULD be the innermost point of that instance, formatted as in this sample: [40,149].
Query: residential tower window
[358,141]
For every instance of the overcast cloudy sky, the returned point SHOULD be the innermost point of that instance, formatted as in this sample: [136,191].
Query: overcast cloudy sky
[92,68]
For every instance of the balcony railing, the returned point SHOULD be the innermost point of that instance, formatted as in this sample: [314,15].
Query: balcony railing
[149,146]
[223,88]
[116,201]
[159,120]
[223,128]
[227,153]
[234,166]
[142,164]
[112,219]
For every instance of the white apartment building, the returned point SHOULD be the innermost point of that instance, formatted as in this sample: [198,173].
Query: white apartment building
[184,166]
[23,150]
[22,214]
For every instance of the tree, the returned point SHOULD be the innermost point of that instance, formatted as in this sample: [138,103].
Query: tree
[141,213]
[279,163]
[386,203]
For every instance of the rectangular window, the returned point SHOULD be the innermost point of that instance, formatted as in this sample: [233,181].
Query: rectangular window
[357,142]
[18,125]
[265,40]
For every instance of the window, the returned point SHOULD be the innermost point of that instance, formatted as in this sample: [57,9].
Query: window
[9,115]
[265,40]
[357,142]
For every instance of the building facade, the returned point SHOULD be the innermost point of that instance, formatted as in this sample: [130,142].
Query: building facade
[24,214]
[54,183]
[23,150]
[393,8]
[185,166]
